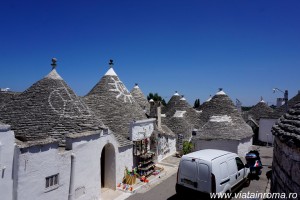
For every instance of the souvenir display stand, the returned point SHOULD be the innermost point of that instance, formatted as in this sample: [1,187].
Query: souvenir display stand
[146,164]
[145,158]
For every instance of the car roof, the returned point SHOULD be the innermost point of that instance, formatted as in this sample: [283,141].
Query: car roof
[207,154]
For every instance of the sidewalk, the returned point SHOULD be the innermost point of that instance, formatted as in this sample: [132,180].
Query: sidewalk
[170,166]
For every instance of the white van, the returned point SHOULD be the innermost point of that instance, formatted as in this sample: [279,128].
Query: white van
[211,171]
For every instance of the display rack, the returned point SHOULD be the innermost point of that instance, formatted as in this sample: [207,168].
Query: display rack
[146,164]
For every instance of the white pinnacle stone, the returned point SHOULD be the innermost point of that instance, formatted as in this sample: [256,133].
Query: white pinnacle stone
[111,72]
[221,93]
[54,75]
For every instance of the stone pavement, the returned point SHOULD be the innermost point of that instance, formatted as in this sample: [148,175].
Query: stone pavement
[169,165]
[261,186]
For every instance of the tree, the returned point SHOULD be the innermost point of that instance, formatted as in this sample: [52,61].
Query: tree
[197,103]
[156,97]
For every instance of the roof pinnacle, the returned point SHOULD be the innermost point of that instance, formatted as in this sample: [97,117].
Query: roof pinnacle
[53,64]
[111,63]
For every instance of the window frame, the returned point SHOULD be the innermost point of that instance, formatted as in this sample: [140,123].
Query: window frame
[52,182]
[237,159]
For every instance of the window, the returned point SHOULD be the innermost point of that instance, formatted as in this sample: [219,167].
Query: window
[203,172]
[239,163]
[188,169]
[51,181]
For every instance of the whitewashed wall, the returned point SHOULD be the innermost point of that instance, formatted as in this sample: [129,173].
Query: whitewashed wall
[171,146]
[239,147]
[244,146]
[7,148]
[33,164]
[226,145]
[85,184]
[141,129]
[123,158]
[265,126]
[38,162]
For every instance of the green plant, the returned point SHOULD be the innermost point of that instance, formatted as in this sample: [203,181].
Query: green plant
[187,147]
[156,97]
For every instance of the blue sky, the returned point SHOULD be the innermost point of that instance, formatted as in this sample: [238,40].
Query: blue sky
[195,47]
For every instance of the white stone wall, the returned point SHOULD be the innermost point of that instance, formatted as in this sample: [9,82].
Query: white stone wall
[226,145]
[265,126]
[35,164]
[38,163]
[140,130]
[239,147]
[78,168]
[171,147]
[124,159]
[7,148]
[244,146]
[85,184]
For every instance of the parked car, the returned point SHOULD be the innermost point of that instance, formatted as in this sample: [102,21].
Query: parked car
[211,171]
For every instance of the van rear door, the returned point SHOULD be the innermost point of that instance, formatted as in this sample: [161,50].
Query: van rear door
[188,173]
[204,177]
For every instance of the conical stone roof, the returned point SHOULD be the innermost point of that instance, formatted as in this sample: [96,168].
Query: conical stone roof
[261,109]
[6,97]
[190,114]
[139,96]
[221,120]
[179,126]
[49,108]
[113,103]
[287,129]
[173,101]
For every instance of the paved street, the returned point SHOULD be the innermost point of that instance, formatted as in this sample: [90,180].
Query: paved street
[165,190]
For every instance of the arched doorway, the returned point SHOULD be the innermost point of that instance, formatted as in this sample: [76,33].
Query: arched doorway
[108,167]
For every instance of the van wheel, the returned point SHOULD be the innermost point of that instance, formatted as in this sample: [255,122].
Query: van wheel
[178,191]
[247,182]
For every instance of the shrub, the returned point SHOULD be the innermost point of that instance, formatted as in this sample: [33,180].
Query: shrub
[187,147]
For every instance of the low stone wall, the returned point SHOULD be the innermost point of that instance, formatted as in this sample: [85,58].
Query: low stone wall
[286,169]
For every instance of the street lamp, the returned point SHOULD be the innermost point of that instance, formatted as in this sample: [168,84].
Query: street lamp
[286,97]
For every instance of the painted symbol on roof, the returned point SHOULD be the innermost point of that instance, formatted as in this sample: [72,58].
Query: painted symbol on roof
[66,104]
[122,90]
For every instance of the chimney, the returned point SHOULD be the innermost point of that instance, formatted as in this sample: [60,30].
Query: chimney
[239,105]
[286,98]
[155,112]
[159,116]
[152,109]
[279,102]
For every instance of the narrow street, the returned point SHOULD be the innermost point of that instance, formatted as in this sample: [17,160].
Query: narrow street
[165,190]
